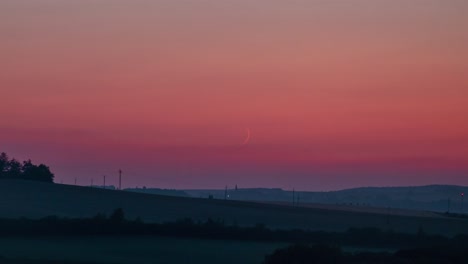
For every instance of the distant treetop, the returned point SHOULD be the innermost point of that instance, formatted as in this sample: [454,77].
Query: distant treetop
[13,169]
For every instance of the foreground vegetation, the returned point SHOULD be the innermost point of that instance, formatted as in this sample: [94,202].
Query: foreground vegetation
[307,246]
[116,224]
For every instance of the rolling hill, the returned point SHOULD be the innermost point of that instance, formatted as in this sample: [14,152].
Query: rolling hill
[437,198]
[37,200]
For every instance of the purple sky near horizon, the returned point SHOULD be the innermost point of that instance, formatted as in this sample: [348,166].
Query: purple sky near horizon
[336,93]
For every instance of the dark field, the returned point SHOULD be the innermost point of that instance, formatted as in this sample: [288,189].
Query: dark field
[137,250]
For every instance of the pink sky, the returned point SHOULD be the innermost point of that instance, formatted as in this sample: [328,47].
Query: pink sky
[336,93]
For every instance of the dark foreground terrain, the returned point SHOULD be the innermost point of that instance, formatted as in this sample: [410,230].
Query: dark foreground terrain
[37,200]
[302,254]
[131,250]
[118,250]
[51,223]
[114,239]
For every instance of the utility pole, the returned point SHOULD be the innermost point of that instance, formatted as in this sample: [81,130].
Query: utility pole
[104,176]
[75,180]
[120,179]
[91,182]
[225,193]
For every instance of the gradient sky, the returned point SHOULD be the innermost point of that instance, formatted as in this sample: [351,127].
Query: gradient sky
[336,94]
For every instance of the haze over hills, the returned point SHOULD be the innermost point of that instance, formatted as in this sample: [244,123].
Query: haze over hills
[438,198]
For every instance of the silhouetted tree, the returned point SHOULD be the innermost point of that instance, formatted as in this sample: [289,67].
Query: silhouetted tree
[38,173]
[28,170]
[13,169]
[3,164]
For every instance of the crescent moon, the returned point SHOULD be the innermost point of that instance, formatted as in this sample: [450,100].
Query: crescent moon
[247,139]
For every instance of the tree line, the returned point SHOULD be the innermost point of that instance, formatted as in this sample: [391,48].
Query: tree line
[117,224]
[26,170]
[307,246]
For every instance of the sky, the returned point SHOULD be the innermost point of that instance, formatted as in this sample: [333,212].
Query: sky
[311,95]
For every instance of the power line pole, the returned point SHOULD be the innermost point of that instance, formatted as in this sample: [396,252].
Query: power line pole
[104,176]
[225,193]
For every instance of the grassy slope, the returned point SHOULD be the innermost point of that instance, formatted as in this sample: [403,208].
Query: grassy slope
[34,200]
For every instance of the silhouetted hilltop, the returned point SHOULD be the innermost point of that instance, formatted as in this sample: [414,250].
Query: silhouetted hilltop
[438,198]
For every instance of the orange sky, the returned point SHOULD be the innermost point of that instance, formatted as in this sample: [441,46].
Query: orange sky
[336,93]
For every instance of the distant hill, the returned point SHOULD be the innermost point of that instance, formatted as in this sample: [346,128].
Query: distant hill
[437,198]
[168,192]
[36,200]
